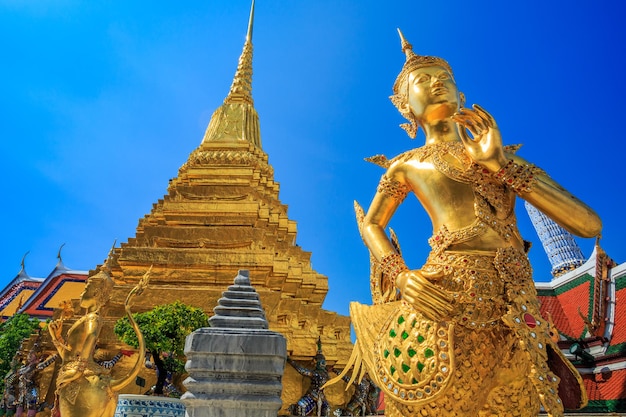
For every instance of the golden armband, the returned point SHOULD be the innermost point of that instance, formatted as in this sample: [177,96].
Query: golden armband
[521,178]
[392,265]
[393,188]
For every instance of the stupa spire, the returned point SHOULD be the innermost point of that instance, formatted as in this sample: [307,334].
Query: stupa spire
[562,250]
[236,120]
[241,89]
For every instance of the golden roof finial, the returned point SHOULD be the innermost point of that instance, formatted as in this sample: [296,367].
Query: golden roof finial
[241,89]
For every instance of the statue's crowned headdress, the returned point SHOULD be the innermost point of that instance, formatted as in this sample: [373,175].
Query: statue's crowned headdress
[400,87]
[102,279]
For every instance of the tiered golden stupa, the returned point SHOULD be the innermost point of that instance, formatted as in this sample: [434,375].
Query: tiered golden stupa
[222,214]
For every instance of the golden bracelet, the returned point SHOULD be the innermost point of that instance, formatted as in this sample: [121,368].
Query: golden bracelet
[392,265]
[521,178]
[393,188]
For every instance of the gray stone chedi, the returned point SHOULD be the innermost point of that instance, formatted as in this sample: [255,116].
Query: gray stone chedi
[235,366]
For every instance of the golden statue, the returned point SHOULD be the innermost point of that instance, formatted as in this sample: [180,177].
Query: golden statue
[85,388]
[463,335]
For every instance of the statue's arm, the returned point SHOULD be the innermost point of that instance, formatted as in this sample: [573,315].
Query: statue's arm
[111,362]
[118,384]
[530,183]
[55,329]
[301,369]
[393,187]
[49,361]
[378,215]
[555,201]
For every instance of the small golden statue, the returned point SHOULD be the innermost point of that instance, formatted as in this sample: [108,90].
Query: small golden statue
[463,335]
[84,387]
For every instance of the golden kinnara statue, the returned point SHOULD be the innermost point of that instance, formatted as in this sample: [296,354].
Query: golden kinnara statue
[84,387]
[463,335]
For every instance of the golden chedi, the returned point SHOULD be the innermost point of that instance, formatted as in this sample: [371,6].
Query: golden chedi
[222,213]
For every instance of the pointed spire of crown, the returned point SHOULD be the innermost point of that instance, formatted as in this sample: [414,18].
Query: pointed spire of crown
[236,120]
[407,48]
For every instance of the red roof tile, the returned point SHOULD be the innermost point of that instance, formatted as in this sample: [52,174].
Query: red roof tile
[610,385]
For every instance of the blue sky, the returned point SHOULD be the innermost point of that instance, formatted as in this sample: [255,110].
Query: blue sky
[102,102]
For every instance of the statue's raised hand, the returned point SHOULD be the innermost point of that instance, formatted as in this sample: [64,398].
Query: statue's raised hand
[428,299]
[485,145]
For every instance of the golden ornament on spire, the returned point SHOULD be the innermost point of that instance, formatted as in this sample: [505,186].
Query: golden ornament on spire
[236,120]
[241,89]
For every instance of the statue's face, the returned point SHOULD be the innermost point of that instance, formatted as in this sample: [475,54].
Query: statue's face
[432,94]
[88,297]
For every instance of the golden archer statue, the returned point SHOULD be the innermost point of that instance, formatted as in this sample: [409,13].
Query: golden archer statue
[84,387]
[462,336]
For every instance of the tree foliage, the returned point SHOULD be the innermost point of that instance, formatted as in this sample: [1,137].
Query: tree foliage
[12,332]
[164,329]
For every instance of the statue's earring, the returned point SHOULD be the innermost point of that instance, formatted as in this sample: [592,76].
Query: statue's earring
[461,99]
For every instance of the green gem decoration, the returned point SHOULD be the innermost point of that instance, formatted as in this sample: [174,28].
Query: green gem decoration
[400,320]
[385,353]
[411,352]
[397,352]
[428,353]
[399,381]
[415,381]
[420,338]
[405,335]
[414,323]
[392,369]
[392,333]
[405,368]
[420,366]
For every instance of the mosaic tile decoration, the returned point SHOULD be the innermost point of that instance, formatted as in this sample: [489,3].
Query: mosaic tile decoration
[129,405]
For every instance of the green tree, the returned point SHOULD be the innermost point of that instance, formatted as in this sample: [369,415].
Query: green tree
[164,329]
[12,332]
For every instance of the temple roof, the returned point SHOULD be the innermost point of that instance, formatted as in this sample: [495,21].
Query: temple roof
[61,284]
[17,291]
[585,306]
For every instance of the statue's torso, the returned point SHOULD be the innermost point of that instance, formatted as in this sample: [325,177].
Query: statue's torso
[457,195]
[83,335]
